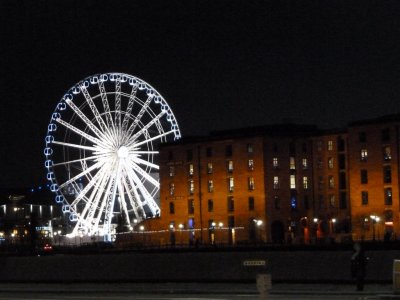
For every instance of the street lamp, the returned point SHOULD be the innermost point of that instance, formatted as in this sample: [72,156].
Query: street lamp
[375,219]
[258,225]
[141,228]
[180,232]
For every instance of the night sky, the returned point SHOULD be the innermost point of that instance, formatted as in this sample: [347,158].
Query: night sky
[219,64]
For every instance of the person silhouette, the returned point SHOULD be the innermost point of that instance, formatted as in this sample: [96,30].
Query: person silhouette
[358,265]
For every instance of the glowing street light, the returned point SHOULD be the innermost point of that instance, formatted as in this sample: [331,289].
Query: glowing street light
[375,219]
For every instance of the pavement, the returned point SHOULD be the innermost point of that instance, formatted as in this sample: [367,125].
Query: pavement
[371,291]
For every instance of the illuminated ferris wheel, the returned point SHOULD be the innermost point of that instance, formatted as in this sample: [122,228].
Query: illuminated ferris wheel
[101,152]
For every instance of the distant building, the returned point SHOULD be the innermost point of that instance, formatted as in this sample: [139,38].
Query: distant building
[281,183]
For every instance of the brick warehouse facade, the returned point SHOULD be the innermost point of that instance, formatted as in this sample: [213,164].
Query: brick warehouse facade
[281,183]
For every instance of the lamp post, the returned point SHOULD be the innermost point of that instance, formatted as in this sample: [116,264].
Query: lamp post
[220,226]
[258,226]
[180,232]
[141,228]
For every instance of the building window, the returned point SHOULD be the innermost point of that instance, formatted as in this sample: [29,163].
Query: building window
[319,146]
[209,168]
[231,204]
[276,182]
[341,144]
[304,163]
[191,169]
[320,182]
[277,203]
[250,148]
[364,197]
[332,201]
[190,206]
[189,155]
[171,189]
[306,203]
[330,145]
[321,201]
[387,153]
[343,200]
[342,162]
[385,135]
[209,152]
[275,162]
[388,196]
[362,137]
[228,150]
[292,181]
[191,187]
[171,208]
[293,202]
[275,148]
[330,162]
[210,205]
[250,164]
[387,174]
[304,147]
[364,176]
[292,163]
[292,148]
[250,182]
[231,184]
[305,182]
[319,163]
[229,166]
[251,203]
[331,182]
[363,155]
[210,186]
[171,171]
[342,180]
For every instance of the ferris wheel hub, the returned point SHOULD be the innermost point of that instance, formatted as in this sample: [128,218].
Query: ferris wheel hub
[123,152]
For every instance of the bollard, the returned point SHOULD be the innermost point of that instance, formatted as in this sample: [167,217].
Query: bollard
[263,285]
[396,276]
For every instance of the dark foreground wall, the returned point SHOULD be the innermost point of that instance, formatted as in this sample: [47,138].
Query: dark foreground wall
[302,266]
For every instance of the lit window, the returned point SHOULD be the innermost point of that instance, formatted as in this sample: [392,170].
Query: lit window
[275,162]
[190,206]
[209,168]
[250,164]
[210,186]
[363,155]
[331,182]
[251,183]
[305,182]
[293,202]
[364,197]
[388,196]
[330,162]
[251,203]
[330,145]
[387,153]
[292,163]
[304,163]
[276,182]
[292,181]
[231,184]
[231,204]
[250,148]
[191,169]
[171,171]
[171,189]
[230,166]
[210,205]
[319,163]
[332,201]
[191,187]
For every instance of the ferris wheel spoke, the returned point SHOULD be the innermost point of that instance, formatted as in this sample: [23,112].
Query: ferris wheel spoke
[80,132]
[128,111]
[86,189]
[111,199]
[75,146]
[118,103]
[86,120]
[93,107]
[106,106]
[144,129]
[153,138]
[94,157]
[144,174]
[146,195]
[139,116]
[137,201]
[80,175]
[146,163]
[124,208]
